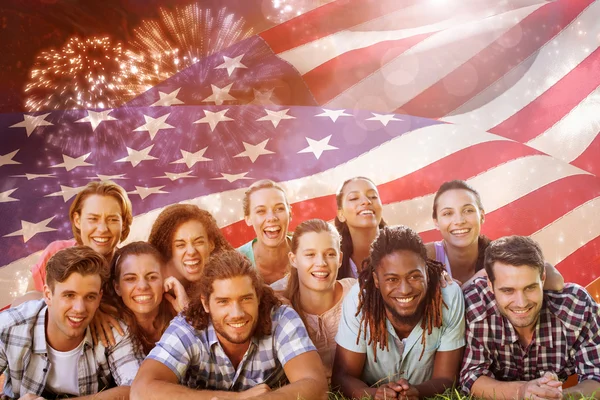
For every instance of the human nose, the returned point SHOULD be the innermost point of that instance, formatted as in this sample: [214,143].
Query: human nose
[520,299]
[190,248]
[102,226]
[404,287]
[78,304]
[236,310]
[271,215]
[320,260]
[143,284]
[365,200]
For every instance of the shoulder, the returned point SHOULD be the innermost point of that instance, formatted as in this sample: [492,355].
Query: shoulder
[284,314]
[573,305]
[246,248]
[430,247]
[347,284]
[20,321]
[479,300]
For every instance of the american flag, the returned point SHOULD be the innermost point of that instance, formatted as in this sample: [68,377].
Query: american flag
[505,95]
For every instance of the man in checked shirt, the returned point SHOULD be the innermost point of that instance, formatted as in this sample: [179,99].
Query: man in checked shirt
[522,341]
[46,347]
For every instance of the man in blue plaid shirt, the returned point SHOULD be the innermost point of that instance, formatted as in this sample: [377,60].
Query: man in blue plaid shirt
[234,340]
[522,341]
[46,347]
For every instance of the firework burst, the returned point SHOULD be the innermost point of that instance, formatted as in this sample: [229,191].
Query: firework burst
[84,73]
[280,11]
[178,39]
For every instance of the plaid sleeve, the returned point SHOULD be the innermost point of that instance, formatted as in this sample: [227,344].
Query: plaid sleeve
[290,335]
[453,335]
[123,361]
[477,357]
[587,347]
[349,324]
[175,348]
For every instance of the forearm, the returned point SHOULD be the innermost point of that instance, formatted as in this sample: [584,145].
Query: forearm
[433,387]
[488,388]
[583,389]
[30,295]
[303,389]
[160,390]
[353,387]
[118,393]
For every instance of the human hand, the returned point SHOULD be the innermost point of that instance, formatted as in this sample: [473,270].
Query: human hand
[101,328]
[387,391]
[255,392]
[446,280]
[180,299]
[547,387]
[408,391]
[31,396]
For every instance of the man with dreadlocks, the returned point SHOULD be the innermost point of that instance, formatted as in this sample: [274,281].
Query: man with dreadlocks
[401,334]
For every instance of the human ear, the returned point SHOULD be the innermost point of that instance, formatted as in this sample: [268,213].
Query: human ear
[292,258]
[205,304]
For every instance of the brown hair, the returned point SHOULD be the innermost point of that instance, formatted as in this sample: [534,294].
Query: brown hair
[258,185]
[292,291]
[142,343]
[482,241]
[226,265]
[80,259]
[516,251]
[370,301]
[102,188]
[172,217]
[347,246]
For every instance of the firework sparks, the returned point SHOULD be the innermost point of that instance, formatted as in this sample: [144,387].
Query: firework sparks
[180,38]
[84,73]
[280,11]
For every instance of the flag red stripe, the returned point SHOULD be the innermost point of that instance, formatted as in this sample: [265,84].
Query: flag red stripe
[480,158]
[534,119]
[589,160]
[525,216]
[497,59]
[328,19]
[582,265]
[340,73]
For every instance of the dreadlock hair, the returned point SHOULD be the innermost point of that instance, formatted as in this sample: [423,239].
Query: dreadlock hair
[226,265]
[347,246]
[142,343]
[292,291]
[482,241]
[371,303]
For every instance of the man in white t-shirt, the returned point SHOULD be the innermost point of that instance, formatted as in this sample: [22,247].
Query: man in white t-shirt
[46,347]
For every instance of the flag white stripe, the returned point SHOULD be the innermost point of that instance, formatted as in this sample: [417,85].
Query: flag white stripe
[310,55]
[572,135]
[551,63]
[424,64]
[497,187]
[570,232]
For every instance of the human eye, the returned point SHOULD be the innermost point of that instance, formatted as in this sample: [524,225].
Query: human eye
[391,279]
[92,297]
[309,254]
[506,291]
[69,295]
[92,219]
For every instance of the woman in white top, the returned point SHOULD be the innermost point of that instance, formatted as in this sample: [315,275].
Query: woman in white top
[312,289]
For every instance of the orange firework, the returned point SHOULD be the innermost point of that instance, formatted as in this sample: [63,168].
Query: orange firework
[84,73]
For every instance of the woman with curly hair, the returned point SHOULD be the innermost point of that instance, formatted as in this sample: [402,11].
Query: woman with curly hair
[458,214]
[186,236]
[135,289]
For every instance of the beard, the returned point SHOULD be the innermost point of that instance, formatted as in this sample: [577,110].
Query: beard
[411,319]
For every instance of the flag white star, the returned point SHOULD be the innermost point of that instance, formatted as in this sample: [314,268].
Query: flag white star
[254,151]
[108,177]
[231,64]
[71,163]
[7,159]
[66,192]
[137,156]
[95,118]
[153,125]
[276,116]
[317,147]
[174,176]
[263,98]
[190,159]
[144,192]
[30,229]
[213,118]
[333,114]
[383,118]
[5,196]
[219,95]
[34,176]
[168,99]
[232,177]
[30,122]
